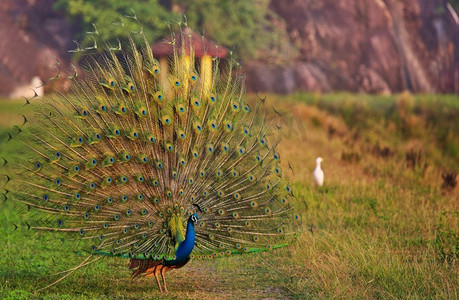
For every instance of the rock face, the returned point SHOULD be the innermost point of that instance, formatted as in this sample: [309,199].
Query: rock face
[375,46]
[33,39]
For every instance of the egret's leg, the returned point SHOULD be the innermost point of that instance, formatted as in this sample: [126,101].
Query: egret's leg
[163,270]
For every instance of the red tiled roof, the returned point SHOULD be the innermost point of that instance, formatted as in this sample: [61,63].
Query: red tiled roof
[201,45]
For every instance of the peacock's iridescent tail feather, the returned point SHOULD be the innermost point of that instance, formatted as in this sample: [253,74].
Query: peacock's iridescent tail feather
[117,165]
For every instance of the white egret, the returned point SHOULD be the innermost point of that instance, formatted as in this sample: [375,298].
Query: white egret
[318,172]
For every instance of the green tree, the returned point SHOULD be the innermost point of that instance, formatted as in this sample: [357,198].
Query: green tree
[114,18]
[245,26]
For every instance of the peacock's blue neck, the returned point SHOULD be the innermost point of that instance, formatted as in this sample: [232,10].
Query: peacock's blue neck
[184,249]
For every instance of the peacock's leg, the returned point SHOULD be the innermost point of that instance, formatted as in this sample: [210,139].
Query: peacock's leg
[163,270]
[156,272]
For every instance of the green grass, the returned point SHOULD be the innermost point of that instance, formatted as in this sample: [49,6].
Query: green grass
[381,227]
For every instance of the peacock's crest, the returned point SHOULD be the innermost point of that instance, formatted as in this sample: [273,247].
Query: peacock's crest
[117,165]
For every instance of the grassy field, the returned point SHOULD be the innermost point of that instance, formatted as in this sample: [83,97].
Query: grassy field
[385,225]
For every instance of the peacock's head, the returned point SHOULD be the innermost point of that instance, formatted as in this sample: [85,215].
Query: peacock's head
[193,218]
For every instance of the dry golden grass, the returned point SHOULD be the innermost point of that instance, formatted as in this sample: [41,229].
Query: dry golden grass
[377,229]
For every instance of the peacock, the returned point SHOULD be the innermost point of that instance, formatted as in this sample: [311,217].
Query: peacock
[124,164]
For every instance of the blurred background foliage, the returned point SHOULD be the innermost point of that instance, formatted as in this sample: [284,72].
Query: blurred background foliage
[365,46]
[106,15]
[246,27]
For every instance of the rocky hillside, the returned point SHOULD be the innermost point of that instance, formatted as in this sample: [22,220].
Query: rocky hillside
[375,46]
[34,40]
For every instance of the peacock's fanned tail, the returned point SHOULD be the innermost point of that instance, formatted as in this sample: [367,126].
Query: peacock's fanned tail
[106,166]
